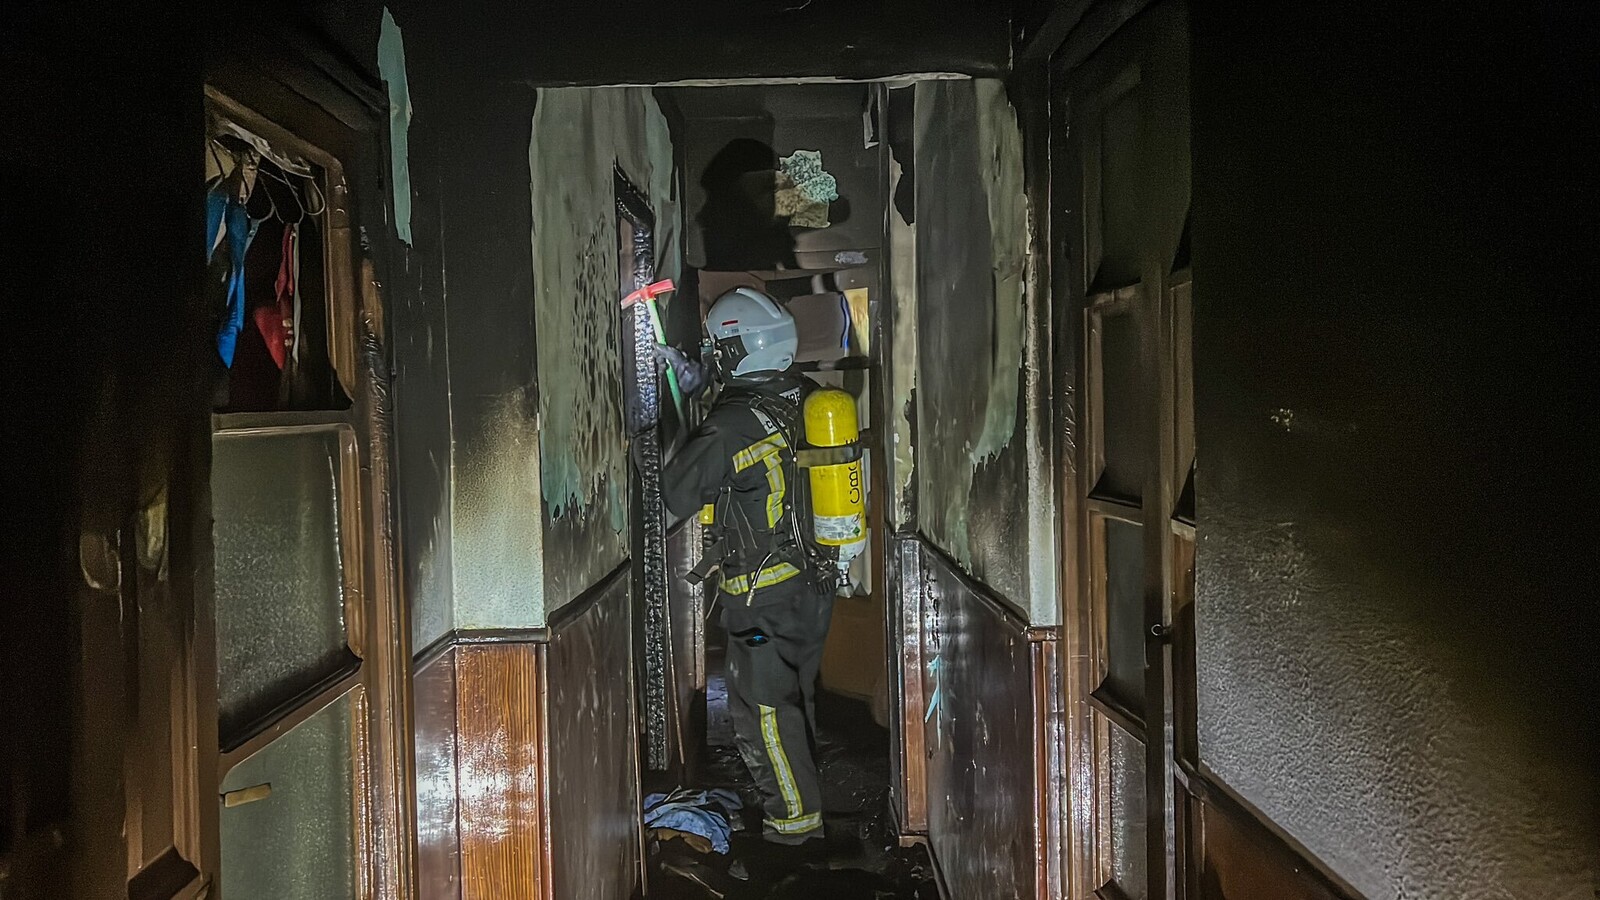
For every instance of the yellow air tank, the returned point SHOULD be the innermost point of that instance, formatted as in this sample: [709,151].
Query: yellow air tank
[838,494]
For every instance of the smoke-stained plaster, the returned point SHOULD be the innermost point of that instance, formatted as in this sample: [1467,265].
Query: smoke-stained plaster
[418,339]
[392,66]
[578,135]
[983,492]
[1000,171]
[497,533]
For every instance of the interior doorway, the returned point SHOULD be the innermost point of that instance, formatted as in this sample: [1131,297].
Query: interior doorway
[785,188]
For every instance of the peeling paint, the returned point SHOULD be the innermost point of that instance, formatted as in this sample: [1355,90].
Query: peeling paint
[392,68]
[903,357]
[1000,168]
[617,505]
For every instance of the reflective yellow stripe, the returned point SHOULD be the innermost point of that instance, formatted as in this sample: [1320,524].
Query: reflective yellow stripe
[779,761]
[779,487]
[767,450]
[799,825]
[767,446]
[768,577]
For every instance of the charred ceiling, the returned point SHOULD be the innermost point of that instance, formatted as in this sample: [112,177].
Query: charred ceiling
[569,42]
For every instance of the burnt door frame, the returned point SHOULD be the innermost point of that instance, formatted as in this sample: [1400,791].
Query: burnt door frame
[1112,275]
[644,409]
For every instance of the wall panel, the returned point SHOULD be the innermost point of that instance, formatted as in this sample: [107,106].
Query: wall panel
[595,835]
[438,833]
[993,732]
[500,765]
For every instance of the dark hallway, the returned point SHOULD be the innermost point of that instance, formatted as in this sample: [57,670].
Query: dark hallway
[1198,508]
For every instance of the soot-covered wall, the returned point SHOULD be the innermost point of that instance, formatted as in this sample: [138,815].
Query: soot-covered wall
[511,454]
[418,322]
[733,132]
[579,135]
[1392,243]
[467,402]
[983,492]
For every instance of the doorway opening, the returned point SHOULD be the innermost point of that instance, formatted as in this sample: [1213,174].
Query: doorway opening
[784,191]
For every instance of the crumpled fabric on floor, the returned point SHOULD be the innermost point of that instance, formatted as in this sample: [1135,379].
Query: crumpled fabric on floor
[712,814]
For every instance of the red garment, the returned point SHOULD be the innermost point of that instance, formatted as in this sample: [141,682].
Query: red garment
[276,321]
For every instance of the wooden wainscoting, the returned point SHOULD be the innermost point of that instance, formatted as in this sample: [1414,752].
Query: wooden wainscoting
[527,758]
[994,733]
[500,764]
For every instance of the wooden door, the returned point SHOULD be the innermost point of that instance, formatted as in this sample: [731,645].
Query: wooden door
[1152,821]
[309,744]
[1124,204]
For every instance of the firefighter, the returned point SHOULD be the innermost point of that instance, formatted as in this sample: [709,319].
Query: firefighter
[773,582]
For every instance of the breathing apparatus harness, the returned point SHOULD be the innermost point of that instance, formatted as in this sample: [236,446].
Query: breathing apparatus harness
[735,538]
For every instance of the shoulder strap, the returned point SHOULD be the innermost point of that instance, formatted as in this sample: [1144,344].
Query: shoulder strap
[774,406]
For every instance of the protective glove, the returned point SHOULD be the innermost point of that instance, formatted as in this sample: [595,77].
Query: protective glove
[693,376]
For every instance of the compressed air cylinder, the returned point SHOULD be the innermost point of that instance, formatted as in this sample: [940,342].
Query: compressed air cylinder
[838,493]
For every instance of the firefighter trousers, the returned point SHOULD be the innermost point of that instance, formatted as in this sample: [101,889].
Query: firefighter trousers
[774,657]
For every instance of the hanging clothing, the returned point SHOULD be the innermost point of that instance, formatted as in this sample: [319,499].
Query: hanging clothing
[227,218]
[278,321]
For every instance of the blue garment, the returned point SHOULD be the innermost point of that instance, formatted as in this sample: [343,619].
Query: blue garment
[223,207]
[696,812]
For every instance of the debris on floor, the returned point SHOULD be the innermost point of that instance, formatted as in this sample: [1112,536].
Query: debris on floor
[860,857]
[702,819]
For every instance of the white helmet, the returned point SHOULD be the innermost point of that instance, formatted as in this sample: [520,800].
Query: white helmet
[751,333]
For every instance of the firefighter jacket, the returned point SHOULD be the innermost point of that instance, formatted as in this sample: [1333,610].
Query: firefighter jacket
[741,459]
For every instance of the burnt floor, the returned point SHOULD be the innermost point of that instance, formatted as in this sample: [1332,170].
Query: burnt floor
[861,857]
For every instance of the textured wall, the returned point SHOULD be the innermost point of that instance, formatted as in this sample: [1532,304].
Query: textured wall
[579,134]
[1394,623]
[982,485]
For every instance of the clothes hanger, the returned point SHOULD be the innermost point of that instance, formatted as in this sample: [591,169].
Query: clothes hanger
[293,191]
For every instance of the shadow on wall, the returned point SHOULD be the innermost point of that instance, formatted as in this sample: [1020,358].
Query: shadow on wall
[739,218]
